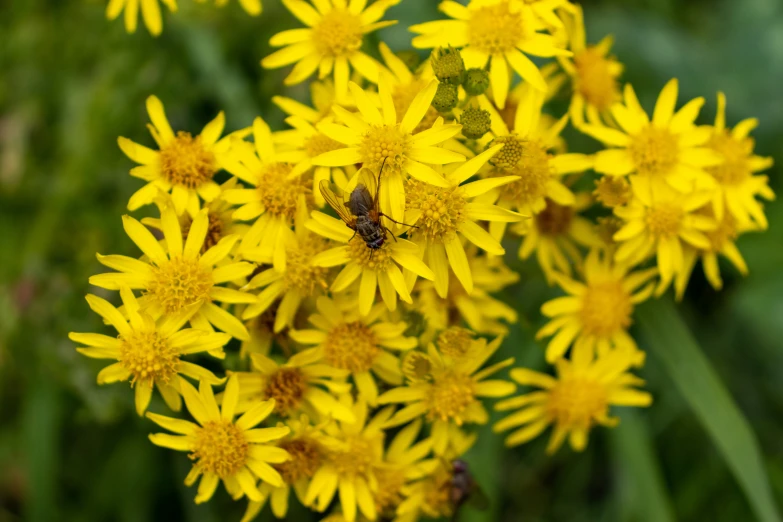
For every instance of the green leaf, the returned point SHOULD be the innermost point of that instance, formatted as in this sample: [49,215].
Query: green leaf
[668,338]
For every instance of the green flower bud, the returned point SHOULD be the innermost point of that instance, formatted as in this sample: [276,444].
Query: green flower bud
[448,65]
[446,97]
[476,81]
[475,123]
[410,58]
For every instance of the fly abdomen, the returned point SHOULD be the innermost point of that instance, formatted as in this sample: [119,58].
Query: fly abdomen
[370,231]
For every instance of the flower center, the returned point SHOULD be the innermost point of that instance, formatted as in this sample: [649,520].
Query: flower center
[441,209]
[374,259]
[455,341]
[219,447]
[437,495]
[389,493]
[339,33]
[724,234]
[184,161]
[416,366]
[318,144]
[306,456]
[148,356]
[403,95]
[278,194]
[214,231]
[735,168]
[654,151]
[383,142]
[595,78]
[664,220]
[354,458]
[574,403]
[351,346]
[300,273]
[494,29]
[286,386]
[449,396]
[554,220]
[528,159]
[179,283]
[612,191]
[606,309]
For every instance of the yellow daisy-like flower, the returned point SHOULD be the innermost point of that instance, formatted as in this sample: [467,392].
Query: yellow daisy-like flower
[574,402]
[596,314]
[148,352]
[332,40]
[494,33]
[358,344]
[223,449]
[179,276]
[450,395]
[150,11]
[737,184]
[444,215]
[660,221]
[667,149]
[273,199]
[406,85]
[354,452]
[323,97]
[296,386]
[184,165]
[253,7]
[375,139]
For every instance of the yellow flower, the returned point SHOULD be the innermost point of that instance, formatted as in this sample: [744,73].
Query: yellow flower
[357,344]
[184,165]
[444,215]
[737,186]
[148,352]
[273,200]
[150,11]
[555,233]
[660,221]
[406,85]
[449,396]
[497,33]
[295,386]
[574,402]
[333,39]
[667,150]
[176,277]
[596,314]
[253,7]
[354,452]
[323,97]
[375,139]
[221,448]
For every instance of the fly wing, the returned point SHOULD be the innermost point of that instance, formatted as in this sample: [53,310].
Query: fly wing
[336,202]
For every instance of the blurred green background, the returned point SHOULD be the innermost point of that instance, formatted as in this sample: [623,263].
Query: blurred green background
[71,82]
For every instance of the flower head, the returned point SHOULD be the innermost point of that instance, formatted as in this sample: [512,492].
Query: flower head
[150,11]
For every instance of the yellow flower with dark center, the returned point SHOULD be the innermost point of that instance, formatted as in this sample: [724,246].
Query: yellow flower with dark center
[223,449]
[494,33]
[573,402]
[736,179]
[148,352]
[596,314]
[179,276]
[451,398]
[296,386]
[660,222]
[357,344]
[184,165]
[332,40]
[666,150]
[253,7]
[150,11]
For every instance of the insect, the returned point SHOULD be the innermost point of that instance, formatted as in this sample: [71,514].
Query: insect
[361,213]
[464,488]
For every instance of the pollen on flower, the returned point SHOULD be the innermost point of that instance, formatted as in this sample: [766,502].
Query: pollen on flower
[339,33]
[495,29]
[184,161]
[606,309]
[555,219]
[214,231]
[416,366]
[383,142]
[595,79]
[576,402]
[664,220]
[318,144]
[306,457]
[351,346]
[441,209]
[179,283]
[389,494]
[366,257]
[449,396]
[300,273]
[148,356]
[735,169]
[526,158]
[286,386]
[278,194]
[654,151]
[354,457]
[219,447]
[455,341]
[612,191]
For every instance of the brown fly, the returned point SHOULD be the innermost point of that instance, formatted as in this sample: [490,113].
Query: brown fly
[464,489]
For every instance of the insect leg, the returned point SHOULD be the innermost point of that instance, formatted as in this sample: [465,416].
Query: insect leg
[392,233]
[398,222]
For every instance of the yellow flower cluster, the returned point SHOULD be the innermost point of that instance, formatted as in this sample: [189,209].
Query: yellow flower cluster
[356,256]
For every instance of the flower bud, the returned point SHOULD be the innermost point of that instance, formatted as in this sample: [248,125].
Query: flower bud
[448,65]
[446,97]
[475,123]
[476,81]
